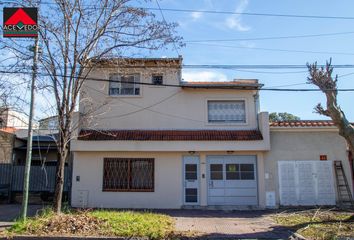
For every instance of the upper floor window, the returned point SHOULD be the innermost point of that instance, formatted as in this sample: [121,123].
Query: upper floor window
[124,84]
[157,79]
[226,111]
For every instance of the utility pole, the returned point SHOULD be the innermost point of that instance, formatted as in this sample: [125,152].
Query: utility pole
[29,135]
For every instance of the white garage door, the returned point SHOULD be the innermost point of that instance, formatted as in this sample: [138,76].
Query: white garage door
[306,183]
[232,180]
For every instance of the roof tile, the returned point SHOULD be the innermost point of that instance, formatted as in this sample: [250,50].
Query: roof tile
[171,135]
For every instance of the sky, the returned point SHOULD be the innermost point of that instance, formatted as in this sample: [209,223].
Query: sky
[203,26]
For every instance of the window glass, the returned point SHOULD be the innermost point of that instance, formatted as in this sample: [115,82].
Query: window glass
[157,79]
[124,85]
[226,111]
[125,174]
[191,172]
[246,167]
[191,194]
[216,172]
[232,171]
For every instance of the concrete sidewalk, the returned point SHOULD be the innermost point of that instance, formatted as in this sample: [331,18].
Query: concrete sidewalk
[235,224]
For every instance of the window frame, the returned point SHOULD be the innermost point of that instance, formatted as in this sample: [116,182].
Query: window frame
[135,86]
[229,123]
[157,74]
[129,174]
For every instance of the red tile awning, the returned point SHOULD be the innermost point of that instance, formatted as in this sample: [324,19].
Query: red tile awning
[170,135]
[303,123]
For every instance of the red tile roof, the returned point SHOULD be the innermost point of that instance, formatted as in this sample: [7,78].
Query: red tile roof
[303,123]
[171,135]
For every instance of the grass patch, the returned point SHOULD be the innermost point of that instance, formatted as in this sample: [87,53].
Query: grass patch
[318,224]
[96,223]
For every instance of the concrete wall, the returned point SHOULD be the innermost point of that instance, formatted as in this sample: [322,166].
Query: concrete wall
[168,180]
[158,107]
[300,144]
[6,145]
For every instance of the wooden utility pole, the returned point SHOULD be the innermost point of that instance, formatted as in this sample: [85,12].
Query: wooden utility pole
[29,135]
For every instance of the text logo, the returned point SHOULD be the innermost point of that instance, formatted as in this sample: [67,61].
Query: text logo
[20,22]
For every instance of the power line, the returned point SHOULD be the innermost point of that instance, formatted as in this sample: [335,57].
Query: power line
[259,14]
[193,87]
[269,38]
[253,13]
[215,66]
[169,32]
[260,66]
[273,49]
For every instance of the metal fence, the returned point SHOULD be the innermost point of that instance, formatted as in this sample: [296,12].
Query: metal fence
[42,178]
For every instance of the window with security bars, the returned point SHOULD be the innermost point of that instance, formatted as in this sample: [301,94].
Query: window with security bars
[124,84]
[128,174]
[226,112]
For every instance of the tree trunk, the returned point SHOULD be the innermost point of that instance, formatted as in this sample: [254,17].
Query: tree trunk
[60,170]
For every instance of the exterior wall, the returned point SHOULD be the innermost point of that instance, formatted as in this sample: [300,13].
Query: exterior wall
[14,119]
[298,144]
[6,145]
[158,107]
[168,180]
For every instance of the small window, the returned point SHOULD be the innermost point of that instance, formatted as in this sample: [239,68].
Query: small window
[128,175]
[191,172]
[216,172]
[226,112]
[157,79]
[191,195]
[124,84]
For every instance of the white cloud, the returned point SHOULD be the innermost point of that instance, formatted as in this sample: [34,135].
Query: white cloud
[196,15]
[204,76]
[235,21]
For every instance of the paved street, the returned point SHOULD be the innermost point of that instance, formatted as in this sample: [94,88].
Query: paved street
[9,212]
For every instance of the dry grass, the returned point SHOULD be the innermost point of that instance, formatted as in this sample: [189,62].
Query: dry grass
[319,223]
[96,223]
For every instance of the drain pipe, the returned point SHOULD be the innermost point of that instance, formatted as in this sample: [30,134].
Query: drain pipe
[256,104]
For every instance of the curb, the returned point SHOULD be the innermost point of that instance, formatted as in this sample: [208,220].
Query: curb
[68,237]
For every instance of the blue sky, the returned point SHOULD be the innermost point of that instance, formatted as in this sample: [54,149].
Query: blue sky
[201,26]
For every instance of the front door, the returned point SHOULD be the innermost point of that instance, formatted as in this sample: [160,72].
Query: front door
[191,180]
[232,180]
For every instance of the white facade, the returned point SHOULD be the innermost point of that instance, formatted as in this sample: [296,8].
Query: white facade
[241,173]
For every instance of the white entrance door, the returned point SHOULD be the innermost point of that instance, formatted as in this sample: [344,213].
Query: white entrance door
[232,180]
[191,180]
[306,183]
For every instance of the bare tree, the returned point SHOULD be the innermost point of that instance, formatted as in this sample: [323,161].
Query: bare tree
[74,32]
[323,79]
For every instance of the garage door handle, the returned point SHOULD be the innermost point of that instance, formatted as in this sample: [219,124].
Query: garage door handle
[211,184]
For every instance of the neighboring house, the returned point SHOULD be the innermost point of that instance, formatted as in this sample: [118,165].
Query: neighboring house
[12,119]
[49,123]
[44,151]
[193,144]
[7,141]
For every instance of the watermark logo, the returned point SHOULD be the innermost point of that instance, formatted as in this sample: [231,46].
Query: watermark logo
[20,22]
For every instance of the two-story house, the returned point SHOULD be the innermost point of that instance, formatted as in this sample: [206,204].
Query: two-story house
[155,141]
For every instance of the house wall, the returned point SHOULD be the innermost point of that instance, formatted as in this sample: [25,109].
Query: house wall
[158,107]
[298,144]
[168,180]
[6,145]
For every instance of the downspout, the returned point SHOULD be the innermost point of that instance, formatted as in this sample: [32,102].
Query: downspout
[351,164]
[256,104]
